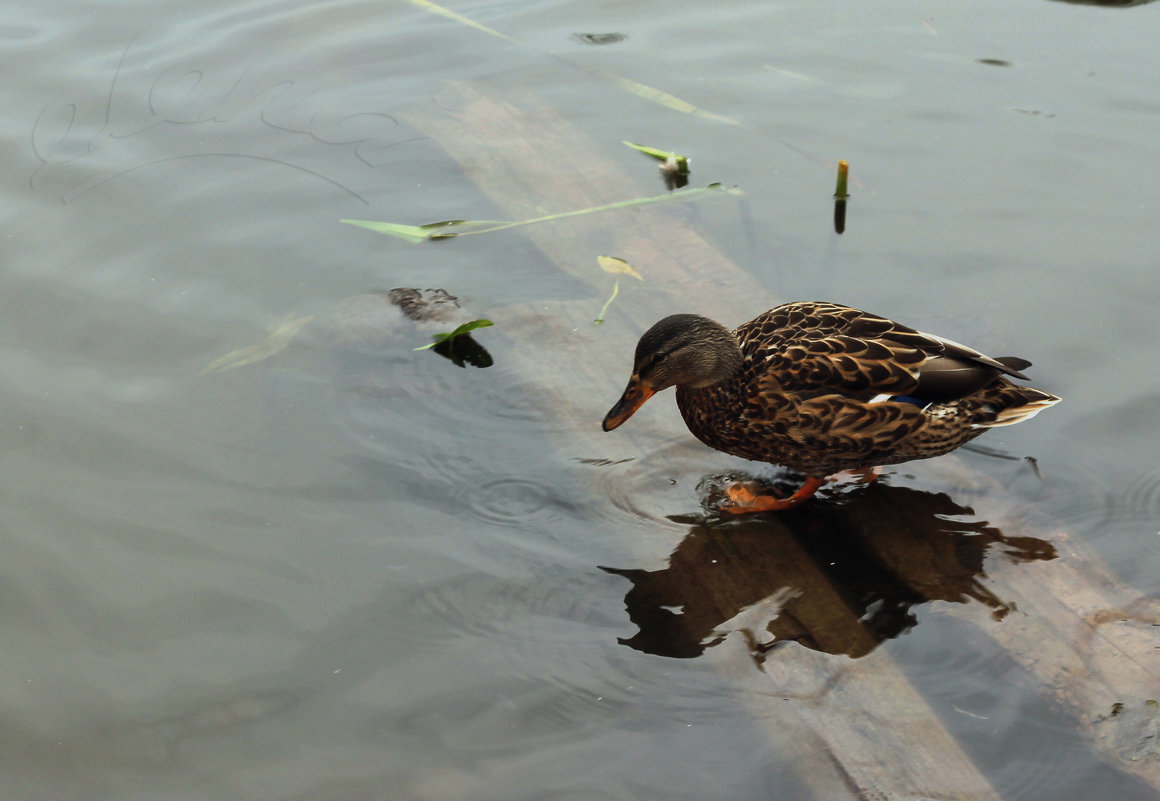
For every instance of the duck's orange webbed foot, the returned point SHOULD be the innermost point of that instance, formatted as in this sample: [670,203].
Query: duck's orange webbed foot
[741,500]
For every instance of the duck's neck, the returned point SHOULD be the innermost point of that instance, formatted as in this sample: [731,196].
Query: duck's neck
[717,358]
[708,410]
[730,387]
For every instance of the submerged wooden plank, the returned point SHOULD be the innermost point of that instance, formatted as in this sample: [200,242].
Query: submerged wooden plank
[880,736]
[1091,644]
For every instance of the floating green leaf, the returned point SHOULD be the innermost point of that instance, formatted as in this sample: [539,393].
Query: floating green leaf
[615,291]
[460,331]
[659,155]
[672,161]
[611,264]
[280,335]
[440,230]
[419,233]
[411,233]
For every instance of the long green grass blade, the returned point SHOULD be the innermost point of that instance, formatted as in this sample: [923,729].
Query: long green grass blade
[639,89]
[621,204]
[654,95]
[449,14]
[454,228]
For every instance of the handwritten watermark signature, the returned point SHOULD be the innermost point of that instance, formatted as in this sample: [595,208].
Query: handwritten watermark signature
[71,132]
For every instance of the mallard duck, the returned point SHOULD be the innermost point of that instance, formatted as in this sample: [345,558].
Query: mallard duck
[822,388]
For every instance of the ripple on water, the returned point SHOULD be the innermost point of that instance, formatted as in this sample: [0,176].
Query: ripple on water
[508,500]
[494,400]
[1120,518]
[1044,752]
[646,492]
[515,404]
[482,451]
[1033,742]
[530,640]
[1141,500]
[554,637]
[1083,497]
[1133,530]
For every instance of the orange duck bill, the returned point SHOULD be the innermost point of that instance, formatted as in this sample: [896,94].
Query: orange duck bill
[635,394]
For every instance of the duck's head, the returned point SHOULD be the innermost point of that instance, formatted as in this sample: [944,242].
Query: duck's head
[681,350]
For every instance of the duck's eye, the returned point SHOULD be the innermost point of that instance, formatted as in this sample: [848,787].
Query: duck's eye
[657,359]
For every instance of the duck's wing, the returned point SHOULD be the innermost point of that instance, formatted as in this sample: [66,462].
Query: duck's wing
[818,348]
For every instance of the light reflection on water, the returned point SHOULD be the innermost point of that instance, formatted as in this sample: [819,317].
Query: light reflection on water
[374,575]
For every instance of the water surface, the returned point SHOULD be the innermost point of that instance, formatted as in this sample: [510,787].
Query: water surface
[377,575]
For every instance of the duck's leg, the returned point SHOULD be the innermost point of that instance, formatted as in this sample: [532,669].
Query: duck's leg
[742,501]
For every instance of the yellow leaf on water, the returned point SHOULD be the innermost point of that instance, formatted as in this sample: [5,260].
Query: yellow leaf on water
[611,264]
[281,333]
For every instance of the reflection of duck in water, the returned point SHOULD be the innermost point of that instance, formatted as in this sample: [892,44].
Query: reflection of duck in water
[822,388]
[840,580]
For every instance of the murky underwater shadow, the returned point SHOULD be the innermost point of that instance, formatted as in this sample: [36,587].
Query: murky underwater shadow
[838,577]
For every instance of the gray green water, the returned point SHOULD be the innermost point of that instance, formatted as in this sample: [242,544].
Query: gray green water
[309,580]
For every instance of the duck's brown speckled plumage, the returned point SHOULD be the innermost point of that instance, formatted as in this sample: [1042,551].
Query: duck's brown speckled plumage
[815,386]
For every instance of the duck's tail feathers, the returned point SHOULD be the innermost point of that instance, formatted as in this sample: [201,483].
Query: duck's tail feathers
[1014,364]
[1036,403]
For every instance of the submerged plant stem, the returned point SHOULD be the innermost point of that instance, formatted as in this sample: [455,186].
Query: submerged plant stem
[843,180]
[615,291]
